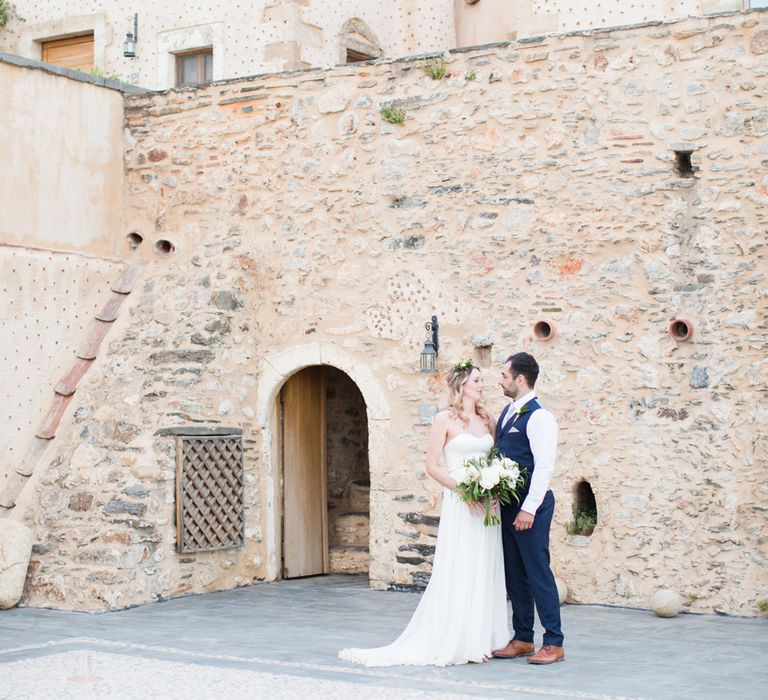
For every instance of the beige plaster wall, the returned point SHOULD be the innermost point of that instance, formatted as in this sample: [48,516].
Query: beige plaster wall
[61,180]
[536,181]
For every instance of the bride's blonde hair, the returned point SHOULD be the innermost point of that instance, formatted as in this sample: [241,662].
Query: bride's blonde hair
[457,377]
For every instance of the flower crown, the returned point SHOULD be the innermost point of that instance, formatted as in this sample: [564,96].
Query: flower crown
[463,366]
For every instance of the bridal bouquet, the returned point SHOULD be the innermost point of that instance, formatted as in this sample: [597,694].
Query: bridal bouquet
[486,478]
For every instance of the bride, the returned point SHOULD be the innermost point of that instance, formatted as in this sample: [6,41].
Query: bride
[462,615]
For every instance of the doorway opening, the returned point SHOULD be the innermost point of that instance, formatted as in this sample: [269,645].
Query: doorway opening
[326,475]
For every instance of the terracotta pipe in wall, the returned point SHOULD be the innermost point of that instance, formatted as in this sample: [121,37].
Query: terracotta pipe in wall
[680,329]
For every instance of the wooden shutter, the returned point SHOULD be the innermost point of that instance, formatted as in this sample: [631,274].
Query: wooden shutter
[75,52]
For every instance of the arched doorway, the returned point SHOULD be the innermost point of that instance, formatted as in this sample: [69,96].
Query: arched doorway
[323,448]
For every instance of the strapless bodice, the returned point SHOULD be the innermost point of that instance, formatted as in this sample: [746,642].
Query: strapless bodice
[464,446]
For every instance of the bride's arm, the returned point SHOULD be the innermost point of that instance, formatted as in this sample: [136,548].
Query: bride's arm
[437,439]
[492,426]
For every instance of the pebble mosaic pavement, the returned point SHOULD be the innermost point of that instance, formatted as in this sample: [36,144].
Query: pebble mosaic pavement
[280,641]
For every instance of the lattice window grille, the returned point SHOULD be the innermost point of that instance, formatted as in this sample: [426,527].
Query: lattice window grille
[209,493]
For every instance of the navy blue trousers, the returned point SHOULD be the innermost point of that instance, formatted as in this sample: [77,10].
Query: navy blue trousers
[529,579]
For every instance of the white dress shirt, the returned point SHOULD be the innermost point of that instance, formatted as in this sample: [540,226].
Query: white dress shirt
[542,434]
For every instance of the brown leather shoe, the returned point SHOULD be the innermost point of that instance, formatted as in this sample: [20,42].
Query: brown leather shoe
[547,655]
[514,649]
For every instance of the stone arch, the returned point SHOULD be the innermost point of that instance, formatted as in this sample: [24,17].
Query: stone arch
[275,370]
[357,37]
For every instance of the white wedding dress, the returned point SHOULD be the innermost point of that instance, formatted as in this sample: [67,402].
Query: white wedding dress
[462,614]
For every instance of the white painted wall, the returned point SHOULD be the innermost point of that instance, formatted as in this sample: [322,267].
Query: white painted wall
[48,301]
[239,32]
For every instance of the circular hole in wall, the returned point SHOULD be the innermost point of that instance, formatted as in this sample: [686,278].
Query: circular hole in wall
[584,510]
[680,329]
[135,239]
[164,247]
[544,330]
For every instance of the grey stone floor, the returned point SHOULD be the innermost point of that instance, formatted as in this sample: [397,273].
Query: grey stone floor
[280,641]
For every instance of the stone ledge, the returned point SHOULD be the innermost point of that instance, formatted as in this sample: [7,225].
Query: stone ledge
[97,80]
[198,432]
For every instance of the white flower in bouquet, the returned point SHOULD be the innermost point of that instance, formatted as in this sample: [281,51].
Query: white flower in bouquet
[470,474]
[512,474]
[510,469]
[490,476]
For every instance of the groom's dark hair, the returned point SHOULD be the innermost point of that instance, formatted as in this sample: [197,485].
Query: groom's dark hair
[525,364]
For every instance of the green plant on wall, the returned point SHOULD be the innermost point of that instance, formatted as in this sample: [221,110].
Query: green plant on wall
[583,523]
[392,113]
[101,74]
[8,10]
[435,68]
[762,607]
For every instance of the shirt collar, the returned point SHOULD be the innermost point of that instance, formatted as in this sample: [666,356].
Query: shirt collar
[517,404]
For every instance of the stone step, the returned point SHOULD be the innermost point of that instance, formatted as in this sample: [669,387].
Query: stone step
[359,495]
[349,560]
[349,529]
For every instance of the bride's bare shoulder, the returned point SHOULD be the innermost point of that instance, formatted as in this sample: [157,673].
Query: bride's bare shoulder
[441,418]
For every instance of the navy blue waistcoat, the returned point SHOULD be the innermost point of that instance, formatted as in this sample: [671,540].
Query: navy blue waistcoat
[514,443]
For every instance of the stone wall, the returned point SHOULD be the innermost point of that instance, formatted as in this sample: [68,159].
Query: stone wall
[348,474]
[346,450]
[536,181]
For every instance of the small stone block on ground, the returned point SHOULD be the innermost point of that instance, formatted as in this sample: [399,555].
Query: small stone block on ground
[15,551]
[349,560]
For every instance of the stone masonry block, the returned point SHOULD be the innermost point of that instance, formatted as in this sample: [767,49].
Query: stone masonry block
[15,551]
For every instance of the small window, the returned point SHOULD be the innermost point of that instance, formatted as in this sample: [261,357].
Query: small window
[194,68]
[357,56]
[74,52]
[683,164]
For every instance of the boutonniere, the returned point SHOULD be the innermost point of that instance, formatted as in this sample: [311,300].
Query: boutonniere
[521,411]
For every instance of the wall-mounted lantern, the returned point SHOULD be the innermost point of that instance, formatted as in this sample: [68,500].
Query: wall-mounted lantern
[431,348]
[129,45]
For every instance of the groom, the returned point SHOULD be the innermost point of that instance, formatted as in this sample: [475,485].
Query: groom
[527,433]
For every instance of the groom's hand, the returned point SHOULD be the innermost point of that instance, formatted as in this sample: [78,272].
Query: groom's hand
[523,521]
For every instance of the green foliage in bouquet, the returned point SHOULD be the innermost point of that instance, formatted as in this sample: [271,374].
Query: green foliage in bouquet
[489,478]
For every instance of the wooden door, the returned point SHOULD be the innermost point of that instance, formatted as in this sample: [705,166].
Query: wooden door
[305,510]
[75,52]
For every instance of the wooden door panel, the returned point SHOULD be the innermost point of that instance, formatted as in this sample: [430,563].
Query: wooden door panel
[75,52]
[305,536]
